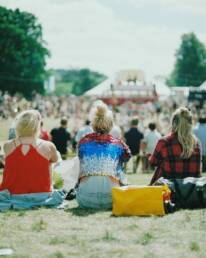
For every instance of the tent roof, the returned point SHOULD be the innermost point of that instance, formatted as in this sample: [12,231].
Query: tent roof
[100,89]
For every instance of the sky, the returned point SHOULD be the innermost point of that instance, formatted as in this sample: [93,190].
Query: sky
[111,35]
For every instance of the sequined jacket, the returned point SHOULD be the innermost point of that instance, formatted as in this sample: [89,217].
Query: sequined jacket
[102,154]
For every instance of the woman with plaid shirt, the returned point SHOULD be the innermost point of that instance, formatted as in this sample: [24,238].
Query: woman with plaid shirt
[178,154]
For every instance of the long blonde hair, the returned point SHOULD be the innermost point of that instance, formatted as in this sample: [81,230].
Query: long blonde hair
[182,125]
[28,123]
[102,119]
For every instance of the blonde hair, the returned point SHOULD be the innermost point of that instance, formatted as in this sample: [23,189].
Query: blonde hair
[182,125]
[102,119]
[28,123]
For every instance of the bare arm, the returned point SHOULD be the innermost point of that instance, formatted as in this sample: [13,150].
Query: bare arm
[53,153]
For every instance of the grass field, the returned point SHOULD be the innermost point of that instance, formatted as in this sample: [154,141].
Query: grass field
[85,233]
[74,232]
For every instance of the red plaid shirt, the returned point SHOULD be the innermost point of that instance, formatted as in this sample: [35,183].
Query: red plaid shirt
[167,158]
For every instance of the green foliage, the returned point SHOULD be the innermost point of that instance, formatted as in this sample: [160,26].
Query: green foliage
[190,66]
[76,81]
[22,59]
[57,181]
[63,88]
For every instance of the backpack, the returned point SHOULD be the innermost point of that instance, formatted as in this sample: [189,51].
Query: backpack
[188,193]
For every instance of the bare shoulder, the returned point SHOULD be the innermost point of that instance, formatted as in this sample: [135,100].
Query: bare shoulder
[50,145]
[46,144]
[9,146]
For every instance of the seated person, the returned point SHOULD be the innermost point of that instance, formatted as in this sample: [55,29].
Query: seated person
[27,179]
[101,162]
[177,155]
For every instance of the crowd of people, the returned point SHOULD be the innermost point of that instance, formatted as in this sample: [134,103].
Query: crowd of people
[104,138]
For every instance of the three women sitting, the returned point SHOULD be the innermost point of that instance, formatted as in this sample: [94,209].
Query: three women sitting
[27,180]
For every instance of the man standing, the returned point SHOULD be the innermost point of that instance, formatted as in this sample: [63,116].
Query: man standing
[83,131]
[60,137]
[133,138]
[148,145]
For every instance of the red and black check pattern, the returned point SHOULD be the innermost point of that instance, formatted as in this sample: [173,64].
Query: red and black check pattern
[167,158]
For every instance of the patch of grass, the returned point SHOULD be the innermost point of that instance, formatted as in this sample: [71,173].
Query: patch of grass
[39,225]
[194,246]
[57,240]
[21,213]
[145,239]
[77,211]
[150,255]
[58,254]
[108,236]
[133,227]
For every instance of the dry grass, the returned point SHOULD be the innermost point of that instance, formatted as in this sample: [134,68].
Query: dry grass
[50,233]
[86,233]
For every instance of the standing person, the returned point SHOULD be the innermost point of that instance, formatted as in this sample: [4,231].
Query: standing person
[149,143]
[101,162]
[178,154]
[116,132]
[60,137]
[27,181]
[133,138]
[200,132]
[83,131]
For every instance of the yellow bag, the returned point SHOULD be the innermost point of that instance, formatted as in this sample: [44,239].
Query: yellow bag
[139,200]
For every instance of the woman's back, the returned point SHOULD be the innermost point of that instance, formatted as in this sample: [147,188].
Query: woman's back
[167,158]
[178,154]
[102,155]
[101,158]
[27,167]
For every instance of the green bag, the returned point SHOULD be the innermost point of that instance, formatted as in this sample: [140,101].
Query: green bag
[188,193]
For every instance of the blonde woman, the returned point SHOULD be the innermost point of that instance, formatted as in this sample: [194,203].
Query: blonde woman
[177,155]
[101,159]
[26,178]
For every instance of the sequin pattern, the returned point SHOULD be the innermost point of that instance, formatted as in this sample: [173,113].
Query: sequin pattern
[102,155]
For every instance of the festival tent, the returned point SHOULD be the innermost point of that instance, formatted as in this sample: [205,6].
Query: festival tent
[203,86]
[100,90]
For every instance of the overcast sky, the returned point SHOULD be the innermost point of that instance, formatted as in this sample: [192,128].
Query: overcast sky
[109,35]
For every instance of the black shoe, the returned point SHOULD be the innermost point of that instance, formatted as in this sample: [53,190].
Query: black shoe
[71,195]
[169,207]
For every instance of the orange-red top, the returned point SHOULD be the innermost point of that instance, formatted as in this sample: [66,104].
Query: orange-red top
[28,173]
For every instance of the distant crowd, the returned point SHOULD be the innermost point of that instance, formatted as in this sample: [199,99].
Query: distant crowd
[168,140]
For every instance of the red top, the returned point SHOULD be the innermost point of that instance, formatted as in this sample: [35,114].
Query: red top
[44,135]
[26,173]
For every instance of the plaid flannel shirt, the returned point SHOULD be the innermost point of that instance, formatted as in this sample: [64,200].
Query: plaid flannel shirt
[169,163]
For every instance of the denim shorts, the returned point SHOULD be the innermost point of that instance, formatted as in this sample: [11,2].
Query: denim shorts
[95,192]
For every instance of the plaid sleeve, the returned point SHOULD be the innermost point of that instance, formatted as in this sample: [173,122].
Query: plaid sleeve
[156,157]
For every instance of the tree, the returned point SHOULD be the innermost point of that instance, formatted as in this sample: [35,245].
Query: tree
[84,83]
[76,81]
[23,53]
[190,66]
